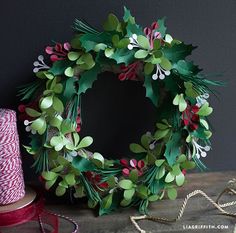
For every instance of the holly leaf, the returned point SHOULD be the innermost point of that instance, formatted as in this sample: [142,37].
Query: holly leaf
[178,52]
[172,148]
[128,17]
[87,79]
[59,67]
[151,89]
[123,56]
[186,68]
[82,164]
[89,41]
[162,27]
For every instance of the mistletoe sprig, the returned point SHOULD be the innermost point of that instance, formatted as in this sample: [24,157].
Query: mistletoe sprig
[173,84]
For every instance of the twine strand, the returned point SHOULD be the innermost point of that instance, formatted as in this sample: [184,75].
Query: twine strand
[231,189]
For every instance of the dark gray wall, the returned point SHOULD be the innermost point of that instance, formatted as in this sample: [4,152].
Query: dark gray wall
[117,113]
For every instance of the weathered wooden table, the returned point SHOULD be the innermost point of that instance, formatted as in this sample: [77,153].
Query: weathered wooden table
[198,212]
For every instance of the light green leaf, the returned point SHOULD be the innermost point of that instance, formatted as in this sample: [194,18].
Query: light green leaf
[165,64]
[182,103]
[205,110]
[109,52]
[73,56]
[180,179]
[69,72]
[58,88]
[181,158]
[50,183]
[33,113]
[46,102]
[67,126]
[161,172]
[111,23]
[153,198]
[126,184]
[107,201]
[100,46]
[56,121]
[159,134]
[170,177]
[176,100]
[172,193]
[148,68]
[136,148]
[204,123]
[133,175]
[98,159]
[141,54]
[39,125]
[48,175]
[60,191]
[143,42]
[85,142]
[176,170]
[70,179]
[129,193]
[159,162]
[58,105]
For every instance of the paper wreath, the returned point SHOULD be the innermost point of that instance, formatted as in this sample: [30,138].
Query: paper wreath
[173,84]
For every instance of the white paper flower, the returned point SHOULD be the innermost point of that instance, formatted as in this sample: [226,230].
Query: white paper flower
[133,42]
[40,64]
[200,151]
[160,73]
[202,99]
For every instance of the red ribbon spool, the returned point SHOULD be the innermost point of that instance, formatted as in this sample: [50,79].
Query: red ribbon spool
[33,211]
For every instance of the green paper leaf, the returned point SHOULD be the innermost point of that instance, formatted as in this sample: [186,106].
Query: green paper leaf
[161,172]
[142,191]
[176,170]
[109,52]
[205,110]
[173,148]
[159,162]
[123,56]
[58,67]
[204,123]
[190,90]
[60,191]
[86,61]
[56,121]
[87,79]
[98,160]
[141,54]
[136,148]
[170,177]
[182,158]
[57,104]
[151,89]
[46,102]
[172,193]
[85,142]
[67,126]
[39,125]
[69,72]
[182,103]
[143,42]
[128,194]
[70,179]
[148,68]
[50,183]
[111,23]
[82,164]
[127,16]
[33,113]
[107,201]
[48,175]
[178,52]
[186,68]
[100,46]
[180,179]
[165,64]
[159,134]
[69,90]
[126,184]
[73,56]
[133,175]
[162,28]
[188,165]
[153,198]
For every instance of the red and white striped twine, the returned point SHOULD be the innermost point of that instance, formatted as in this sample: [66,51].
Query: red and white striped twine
[12,187]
